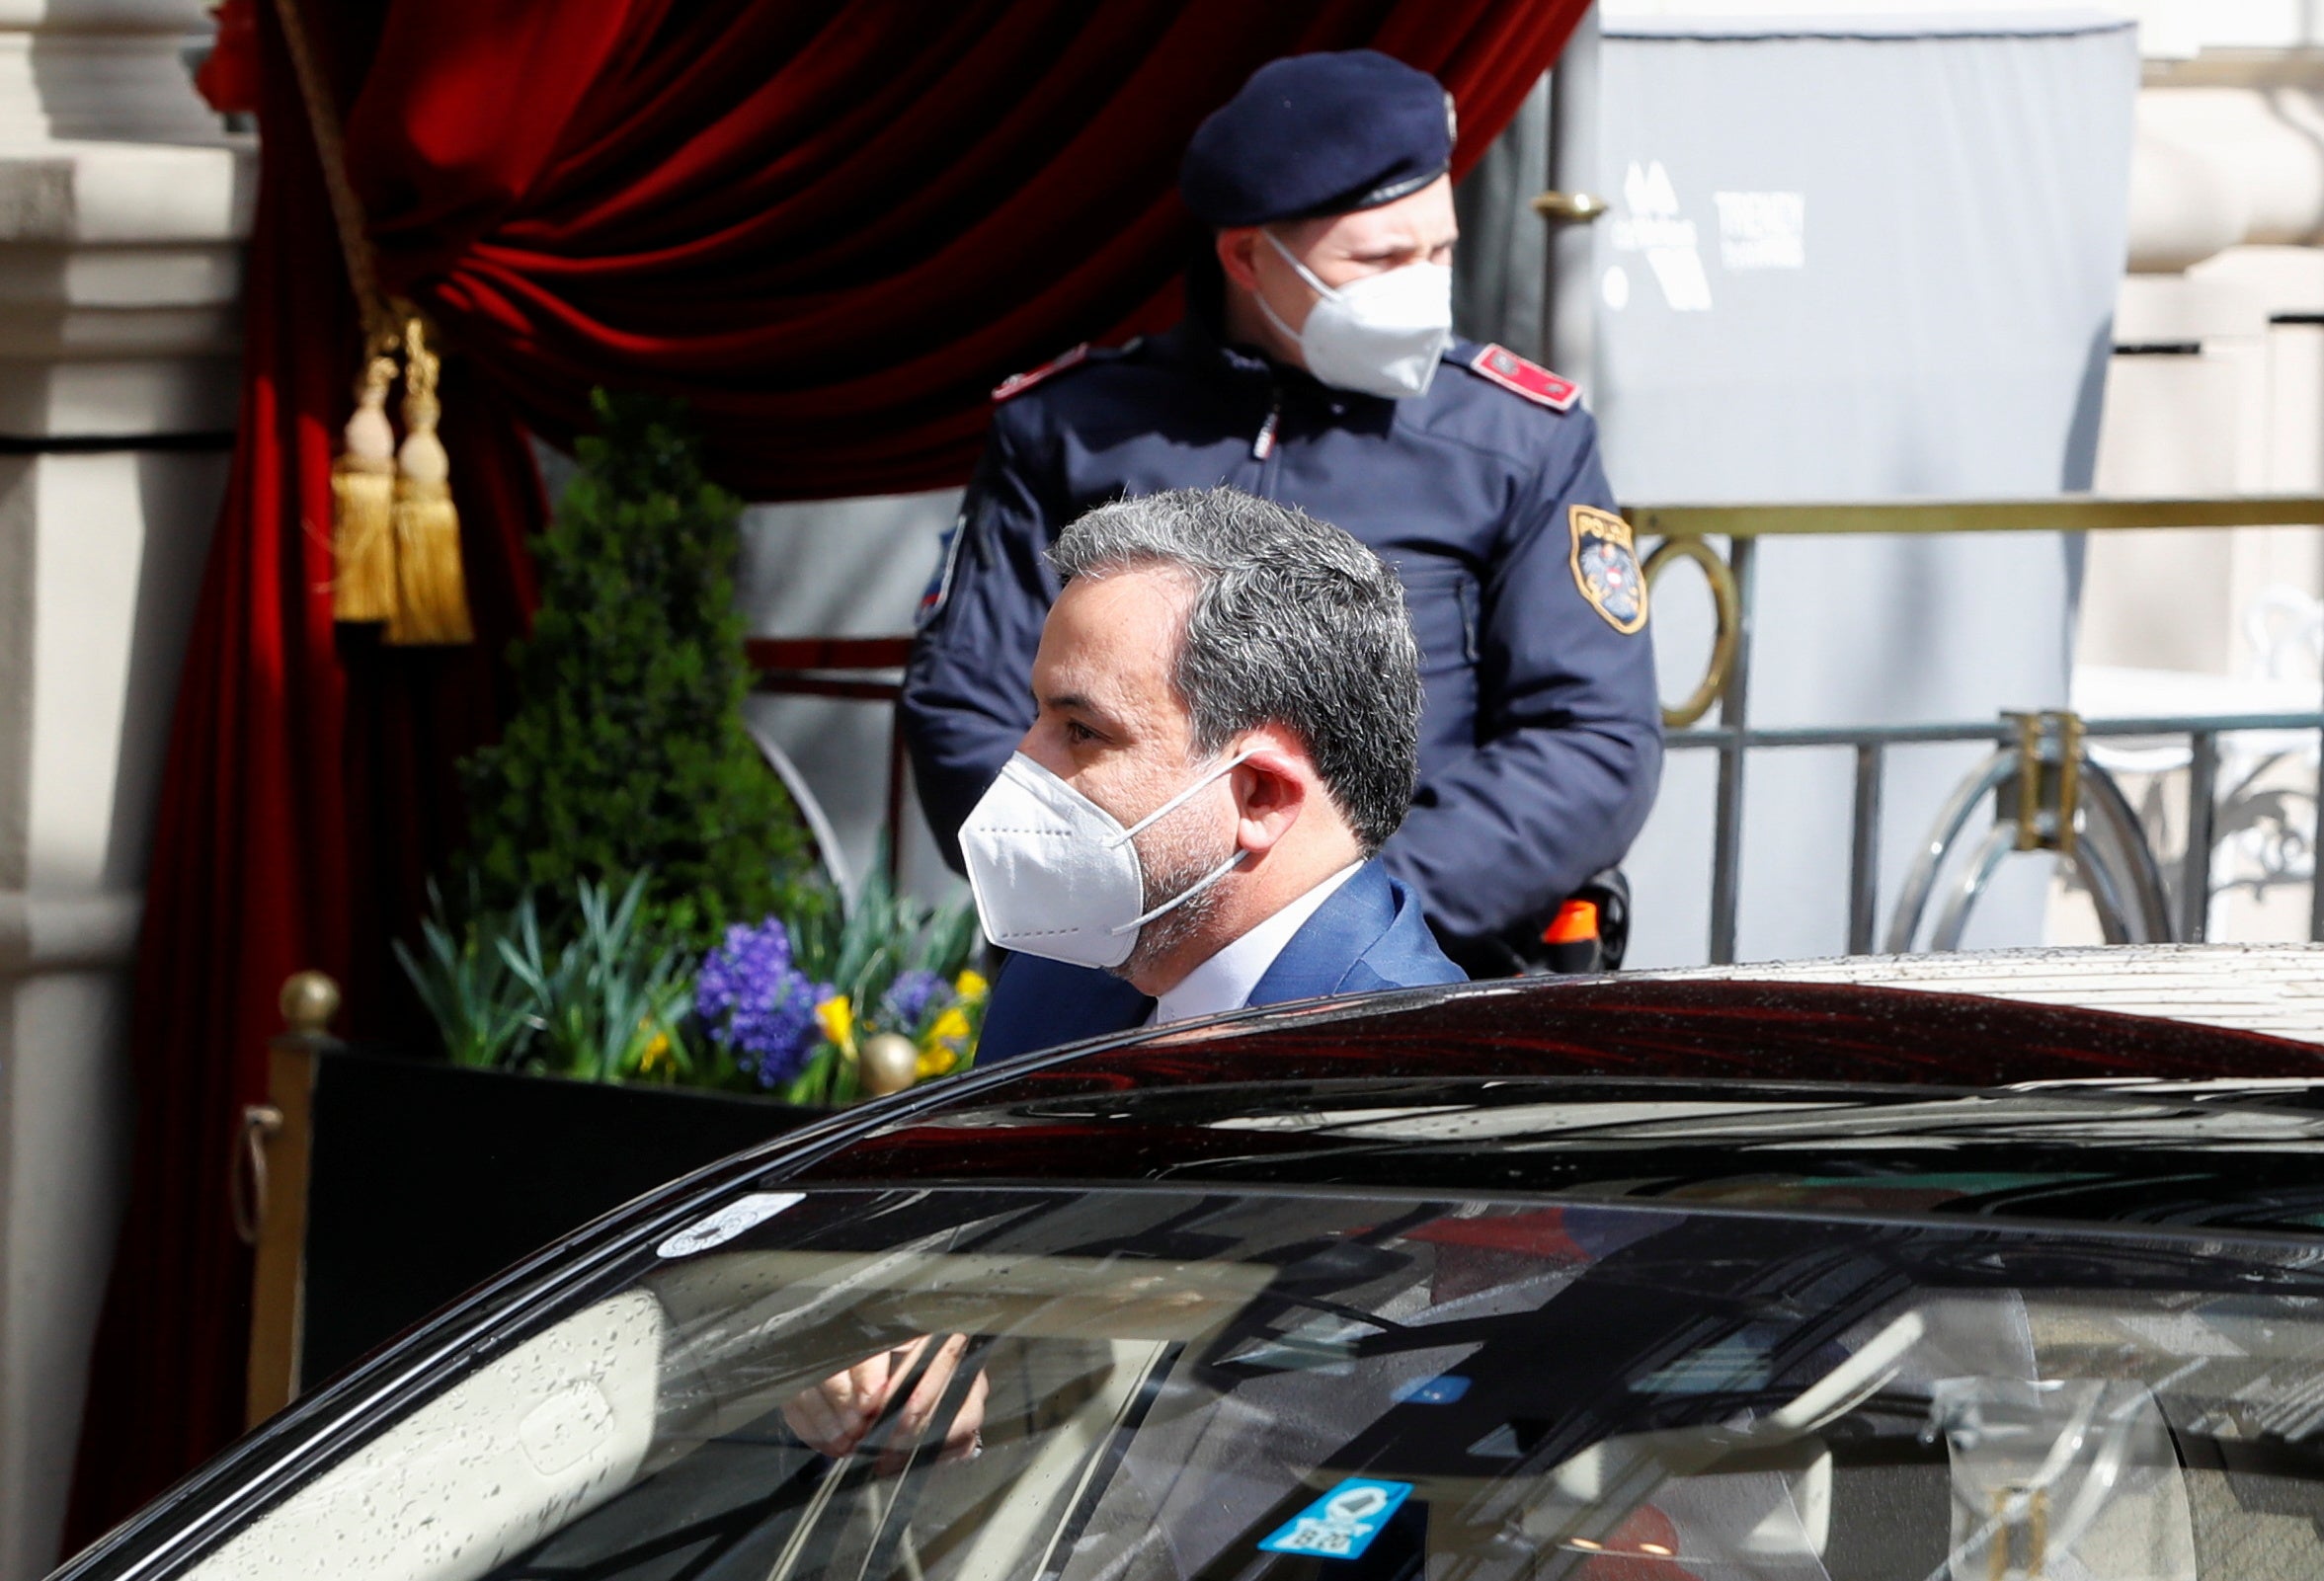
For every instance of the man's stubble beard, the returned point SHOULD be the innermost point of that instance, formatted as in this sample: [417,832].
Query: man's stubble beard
[1174,858]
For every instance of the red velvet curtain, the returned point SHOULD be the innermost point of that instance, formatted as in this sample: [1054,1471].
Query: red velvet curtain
[831,224]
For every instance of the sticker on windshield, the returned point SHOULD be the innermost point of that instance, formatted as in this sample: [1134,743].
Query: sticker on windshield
[1343,1523]
[746,1213]
[1443,1389]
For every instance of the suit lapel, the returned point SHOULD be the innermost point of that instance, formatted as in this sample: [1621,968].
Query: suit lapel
[1319,957]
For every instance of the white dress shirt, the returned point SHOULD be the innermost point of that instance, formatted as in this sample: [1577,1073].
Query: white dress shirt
[1224,981]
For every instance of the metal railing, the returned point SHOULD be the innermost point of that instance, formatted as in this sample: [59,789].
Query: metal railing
[2049,794]
[2052,795]
[857,670]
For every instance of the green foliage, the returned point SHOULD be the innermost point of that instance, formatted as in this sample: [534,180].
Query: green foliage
[884,935]
[627,753]
[477,1003]
[598,993]
[625,819]
[606,1000]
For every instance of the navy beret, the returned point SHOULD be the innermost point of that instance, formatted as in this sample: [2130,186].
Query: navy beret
[1319,134]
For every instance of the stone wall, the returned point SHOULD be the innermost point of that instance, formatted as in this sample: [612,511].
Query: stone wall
[123,207]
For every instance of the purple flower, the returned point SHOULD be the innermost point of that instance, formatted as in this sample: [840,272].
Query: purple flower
[756,1004]
[909,999]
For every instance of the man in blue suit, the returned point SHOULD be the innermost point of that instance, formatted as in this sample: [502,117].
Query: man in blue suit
[1225,729]
[1227,707]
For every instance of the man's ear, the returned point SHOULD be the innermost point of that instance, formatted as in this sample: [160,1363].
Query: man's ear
[1271,788]
[1238,245]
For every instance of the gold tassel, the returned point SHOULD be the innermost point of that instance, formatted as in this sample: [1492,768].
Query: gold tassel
[433,604]
[363,493]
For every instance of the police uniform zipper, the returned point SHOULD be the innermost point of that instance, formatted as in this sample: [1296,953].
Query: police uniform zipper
[1262,444]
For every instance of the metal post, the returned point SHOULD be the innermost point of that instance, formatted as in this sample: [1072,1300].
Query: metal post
[895,816]
[1727,857]
[2316,859]
[2194,872]
[1569,288]
[1863,849]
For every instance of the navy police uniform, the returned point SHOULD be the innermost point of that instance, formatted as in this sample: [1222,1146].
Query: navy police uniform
[1541,744]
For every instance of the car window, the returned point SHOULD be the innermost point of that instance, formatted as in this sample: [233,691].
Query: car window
[500,1459]
[1250,1386]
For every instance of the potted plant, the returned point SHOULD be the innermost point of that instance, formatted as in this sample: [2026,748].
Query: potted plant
[638,919]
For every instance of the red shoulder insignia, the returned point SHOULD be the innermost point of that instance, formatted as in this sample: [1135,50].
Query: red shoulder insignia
[1529,379]
[1017,383]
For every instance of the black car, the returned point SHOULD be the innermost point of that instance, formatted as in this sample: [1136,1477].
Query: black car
[1617,1281]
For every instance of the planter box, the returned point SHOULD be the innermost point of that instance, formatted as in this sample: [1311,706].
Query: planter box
[391,1185]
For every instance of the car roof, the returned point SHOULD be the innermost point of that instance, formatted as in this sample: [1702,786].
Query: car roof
[1667,1027]
[1807,1095]
[2275,988]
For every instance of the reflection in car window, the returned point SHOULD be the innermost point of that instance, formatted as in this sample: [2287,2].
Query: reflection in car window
[1204,1386]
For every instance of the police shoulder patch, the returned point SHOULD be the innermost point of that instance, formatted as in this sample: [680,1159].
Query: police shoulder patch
[1017,383]
[1605,567]
[1529,379]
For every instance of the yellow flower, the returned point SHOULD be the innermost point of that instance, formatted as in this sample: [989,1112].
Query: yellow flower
[939,1050]
[837,1019]
[656,1053]
[971,985]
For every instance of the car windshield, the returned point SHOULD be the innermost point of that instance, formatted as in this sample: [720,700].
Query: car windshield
[1165,1385]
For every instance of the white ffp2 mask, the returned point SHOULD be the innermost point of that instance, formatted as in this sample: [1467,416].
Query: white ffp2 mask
[1056,875]
[1381,334]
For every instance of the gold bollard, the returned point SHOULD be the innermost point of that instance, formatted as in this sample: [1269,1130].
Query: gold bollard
[889,1064]
[309,1000]
[268,1191]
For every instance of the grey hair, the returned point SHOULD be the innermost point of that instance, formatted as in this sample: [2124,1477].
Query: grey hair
[1294,623]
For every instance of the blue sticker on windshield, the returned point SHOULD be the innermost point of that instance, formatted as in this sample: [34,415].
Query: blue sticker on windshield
[1343,1523]
[1440,1390]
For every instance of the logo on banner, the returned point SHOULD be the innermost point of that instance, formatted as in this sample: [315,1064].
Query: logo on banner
[1606,567]
[1651,223]
[1762,230]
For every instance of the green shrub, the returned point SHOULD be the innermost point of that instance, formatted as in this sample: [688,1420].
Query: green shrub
[627,754]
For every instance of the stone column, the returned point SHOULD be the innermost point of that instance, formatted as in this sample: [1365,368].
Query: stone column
[122,205]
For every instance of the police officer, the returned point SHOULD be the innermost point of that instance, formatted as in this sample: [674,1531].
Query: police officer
[1315,365]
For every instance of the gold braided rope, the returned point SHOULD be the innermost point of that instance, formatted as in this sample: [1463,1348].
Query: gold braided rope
[395,534]
[346,209]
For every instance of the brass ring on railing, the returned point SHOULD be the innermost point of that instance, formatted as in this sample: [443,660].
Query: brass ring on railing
[246,1183]
[1569,208]
[1727,608]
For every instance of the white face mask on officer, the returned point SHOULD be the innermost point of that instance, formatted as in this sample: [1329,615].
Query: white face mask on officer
[1056,875]
[1381,334]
